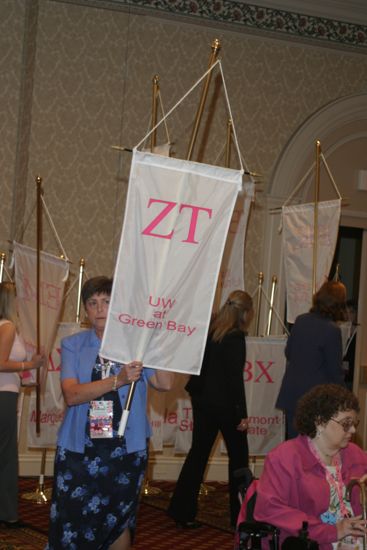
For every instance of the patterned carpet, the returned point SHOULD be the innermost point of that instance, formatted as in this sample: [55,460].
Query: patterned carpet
[155,531]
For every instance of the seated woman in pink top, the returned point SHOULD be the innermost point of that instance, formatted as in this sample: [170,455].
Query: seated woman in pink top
[308,479]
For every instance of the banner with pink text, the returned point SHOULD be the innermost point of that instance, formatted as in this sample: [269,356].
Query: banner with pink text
[298,246]
[53,275]
[263,374]
[52,401]
[176,222]
[171,413]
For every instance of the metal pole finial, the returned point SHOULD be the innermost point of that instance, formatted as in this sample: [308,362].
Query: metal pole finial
[216,45]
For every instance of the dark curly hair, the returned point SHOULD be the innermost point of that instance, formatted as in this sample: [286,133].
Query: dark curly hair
[96,285]
[321,404]
[330,301]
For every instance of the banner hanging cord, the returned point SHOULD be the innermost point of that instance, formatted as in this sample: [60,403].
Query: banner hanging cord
[218,62]
[330,175]
[52,225]
[159,95]
[231,117]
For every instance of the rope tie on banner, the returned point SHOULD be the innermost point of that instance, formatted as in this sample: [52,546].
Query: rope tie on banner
[218,62]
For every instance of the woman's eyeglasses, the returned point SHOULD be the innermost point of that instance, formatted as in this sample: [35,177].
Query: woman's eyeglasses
[347,423]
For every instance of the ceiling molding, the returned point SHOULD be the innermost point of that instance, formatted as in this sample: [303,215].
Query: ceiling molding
[316,23]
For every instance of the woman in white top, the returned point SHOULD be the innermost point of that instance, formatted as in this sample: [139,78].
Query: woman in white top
[12,362]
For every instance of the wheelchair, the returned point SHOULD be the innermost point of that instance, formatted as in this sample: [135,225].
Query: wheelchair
[257,535]
[249,532]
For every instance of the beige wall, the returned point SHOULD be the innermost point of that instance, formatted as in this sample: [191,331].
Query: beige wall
[76,80]
[92,88]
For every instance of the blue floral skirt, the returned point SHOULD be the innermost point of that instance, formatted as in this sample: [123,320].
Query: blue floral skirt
[95,495]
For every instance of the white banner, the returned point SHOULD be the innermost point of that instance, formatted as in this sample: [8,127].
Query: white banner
[52,401]
[176,221]
[298,240]
[231,275]
[53,275]
[263,374]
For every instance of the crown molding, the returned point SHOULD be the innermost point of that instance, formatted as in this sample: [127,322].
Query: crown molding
[327,23]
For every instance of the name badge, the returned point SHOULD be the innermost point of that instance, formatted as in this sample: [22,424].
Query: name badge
[100,419]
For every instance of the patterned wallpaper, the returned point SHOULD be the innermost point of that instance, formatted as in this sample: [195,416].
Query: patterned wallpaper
[12,16]
[92,69]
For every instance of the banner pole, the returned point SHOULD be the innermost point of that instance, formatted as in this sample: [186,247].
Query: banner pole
[228,143]
[153,140]
[270,315]
[126,410]
[316,214]
[38,299]
[80,284]
[215,50]
[259,293]
[227,162]
[153,137]
[2,263]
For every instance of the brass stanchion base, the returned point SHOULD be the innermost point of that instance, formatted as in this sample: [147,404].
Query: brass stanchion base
[205,489]
[148,490]
[39,496]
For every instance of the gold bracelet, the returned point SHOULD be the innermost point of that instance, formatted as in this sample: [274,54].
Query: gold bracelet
[114,387]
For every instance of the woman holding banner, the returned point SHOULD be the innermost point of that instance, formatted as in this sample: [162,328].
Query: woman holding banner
[219,405]
[98,475]
[13,362]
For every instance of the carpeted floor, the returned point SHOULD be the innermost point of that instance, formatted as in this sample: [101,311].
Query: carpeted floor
[155,531]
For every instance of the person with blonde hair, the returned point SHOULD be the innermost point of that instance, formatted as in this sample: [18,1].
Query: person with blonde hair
[12,363]
[219,405]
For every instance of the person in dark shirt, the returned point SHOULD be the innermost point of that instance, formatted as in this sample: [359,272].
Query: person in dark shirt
[314,350]
[219,405]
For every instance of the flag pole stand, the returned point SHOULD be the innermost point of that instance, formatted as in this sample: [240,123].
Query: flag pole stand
[41,495]
[147,489]
[205,489]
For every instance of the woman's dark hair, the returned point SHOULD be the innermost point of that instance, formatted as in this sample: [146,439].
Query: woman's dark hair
[321,404]
[330,301]
[96,285]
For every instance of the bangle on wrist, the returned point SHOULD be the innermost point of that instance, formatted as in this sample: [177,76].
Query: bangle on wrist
[114,386]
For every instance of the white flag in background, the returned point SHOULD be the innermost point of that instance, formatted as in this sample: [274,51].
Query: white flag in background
[176,222]
[53,275]
[52,401]
[231,276]
[263,374]
[298,239]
